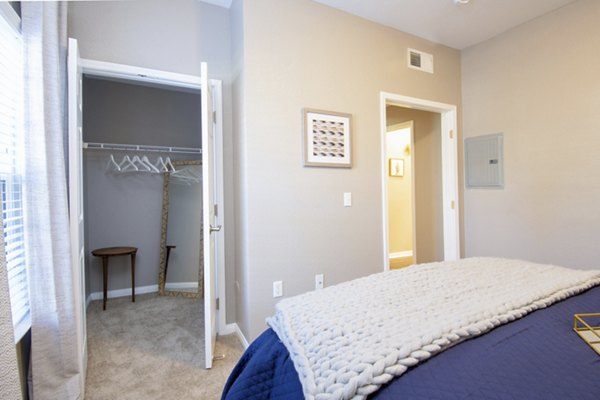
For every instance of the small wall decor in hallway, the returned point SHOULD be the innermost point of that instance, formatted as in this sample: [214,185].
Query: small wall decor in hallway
[397,167]
[327,139]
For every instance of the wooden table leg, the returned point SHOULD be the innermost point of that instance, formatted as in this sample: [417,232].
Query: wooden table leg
[133,277]
[104,280]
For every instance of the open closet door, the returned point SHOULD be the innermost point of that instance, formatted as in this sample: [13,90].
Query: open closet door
[74,84]
[209,220]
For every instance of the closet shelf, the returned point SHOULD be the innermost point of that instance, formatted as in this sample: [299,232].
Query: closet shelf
[140,147]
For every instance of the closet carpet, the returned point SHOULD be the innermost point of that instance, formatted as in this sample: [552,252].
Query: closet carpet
[153,349]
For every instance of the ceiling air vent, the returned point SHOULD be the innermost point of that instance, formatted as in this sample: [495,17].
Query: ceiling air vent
[420,61]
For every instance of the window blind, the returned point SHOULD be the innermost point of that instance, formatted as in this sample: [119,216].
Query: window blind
[11,149]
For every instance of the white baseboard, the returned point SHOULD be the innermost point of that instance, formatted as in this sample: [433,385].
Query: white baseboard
[241,336]
[228,329]
[181,285]
[111,294]
[401,254]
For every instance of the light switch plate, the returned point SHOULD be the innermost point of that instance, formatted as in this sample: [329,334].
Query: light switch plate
[277,289]
[347,199]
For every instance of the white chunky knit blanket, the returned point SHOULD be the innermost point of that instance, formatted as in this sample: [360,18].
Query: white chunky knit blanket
[348,340]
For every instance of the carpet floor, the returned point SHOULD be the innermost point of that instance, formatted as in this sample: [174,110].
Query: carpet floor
[153,349]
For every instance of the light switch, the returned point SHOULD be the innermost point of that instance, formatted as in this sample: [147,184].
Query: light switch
[348,199]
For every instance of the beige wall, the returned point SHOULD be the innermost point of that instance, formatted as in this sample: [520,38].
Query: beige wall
[400,212]
[427,155]
[302,54]
[539,84]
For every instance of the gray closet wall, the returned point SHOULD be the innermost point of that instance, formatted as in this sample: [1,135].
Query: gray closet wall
[125,209]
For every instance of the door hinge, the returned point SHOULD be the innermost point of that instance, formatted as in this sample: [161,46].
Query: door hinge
[214,116]
[451,134]
[217,301]
[216,209]
[452,204]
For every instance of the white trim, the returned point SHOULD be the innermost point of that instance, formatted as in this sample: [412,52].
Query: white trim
[241,336]
[111,294]
[228,329]
[10,16]
[76,202]
[181,285]
[401,254]
[139,74]
[450,204]
[220,194]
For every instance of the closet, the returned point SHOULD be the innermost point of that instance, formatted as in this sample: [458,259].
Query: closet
[137,137]
[123,186]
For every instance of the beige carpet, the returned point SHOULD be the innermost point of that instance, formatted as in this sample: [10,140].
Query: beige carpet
[153,349]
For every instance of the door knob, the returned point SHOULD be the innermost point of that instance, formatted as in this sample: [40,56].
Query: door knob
[215,228]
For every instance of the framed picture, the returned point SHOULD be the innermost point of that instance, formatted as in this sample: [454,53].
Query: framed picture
[396,167]
[327,139]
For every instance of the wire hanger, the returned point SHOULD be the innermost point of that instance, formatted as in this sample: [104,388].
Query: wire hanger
[170,166]
[112,164]
[127,164]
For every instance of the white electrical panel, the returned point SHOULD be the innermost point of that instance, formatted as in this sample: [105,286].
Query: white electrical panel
[484,162]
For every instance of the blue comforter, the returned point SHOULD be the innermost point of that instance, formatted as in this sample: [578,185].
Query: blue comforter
[536,357]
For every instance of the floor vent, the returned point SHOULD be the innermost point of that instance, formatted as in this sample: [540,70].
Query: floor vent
[420,61]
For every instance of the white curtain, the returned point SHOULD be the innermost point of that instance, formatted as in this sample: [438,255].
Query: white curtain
[55,369]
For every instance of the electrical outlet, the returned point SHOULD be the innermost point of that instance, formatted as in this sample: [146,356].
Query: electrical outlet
[318,281]
[277,288]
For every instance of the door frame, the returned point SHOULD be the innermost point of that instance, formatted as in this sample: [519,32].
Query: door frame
[396,127]
[171,79]
[448,132]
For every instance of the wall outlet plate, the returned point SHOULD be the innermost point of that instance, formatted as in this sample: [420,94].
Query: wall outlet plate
[277,289]
[318,281]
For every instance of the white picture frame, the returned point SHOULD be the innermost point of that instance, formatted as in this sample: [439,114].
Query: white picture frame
[327,139]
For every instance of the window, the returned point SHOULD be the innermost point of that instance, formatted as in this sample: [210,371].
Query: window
[11,149]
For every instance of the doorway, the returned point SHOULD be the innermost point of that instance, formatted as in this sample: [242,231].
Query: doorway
[211,176]
[444,243]
[401,200]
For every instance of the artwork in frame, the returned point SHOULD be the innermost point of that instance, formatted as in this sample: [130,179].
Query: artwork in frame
[327,139]
[396,167]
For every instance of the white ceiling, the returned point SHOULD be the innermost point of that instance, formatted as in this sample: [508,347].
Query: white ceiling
[221,3]
[442,21]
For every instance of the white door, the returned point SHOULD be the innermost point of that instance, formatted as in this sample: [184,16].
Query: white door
[209,221]
[76,198]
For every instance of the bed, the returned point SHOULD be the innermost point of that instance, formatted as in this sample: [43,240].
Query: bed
[514,341]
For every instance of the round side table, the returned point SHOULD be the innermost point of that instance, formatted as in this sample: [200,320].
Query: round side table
[107,252]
